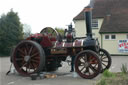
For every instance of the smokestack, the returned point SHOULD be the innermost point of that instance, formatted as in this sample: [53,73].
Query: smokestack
[88,18]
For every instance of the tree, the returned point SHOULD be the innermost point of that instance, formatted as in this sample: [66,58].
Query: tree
[60,31]
[27,30]
[11,31]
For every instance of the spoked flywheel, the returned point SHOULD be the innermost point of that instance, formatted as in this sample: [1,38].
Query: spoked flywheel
[87,64]
[50,32]
[28,58]
[105,59]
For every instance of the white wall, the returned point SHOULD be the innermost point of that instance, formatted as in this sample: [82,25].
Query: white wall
[110,45]
[80,28]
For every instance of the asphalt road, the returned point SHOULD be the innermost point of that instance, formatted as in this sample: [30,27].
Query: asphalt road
[64,77]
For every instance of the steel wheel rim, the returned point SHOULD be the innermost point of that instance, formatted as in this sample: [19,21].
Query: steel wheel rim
[105,59]
[27,58]
[88,69]
[50,32]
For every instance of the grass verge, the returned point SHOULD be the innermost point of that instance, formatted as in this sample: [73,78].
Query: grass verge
[110,78]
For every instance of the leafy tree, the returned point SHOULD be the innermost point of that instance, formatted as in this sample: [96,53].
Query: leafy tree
[27,30]
[60,31]
[11,31]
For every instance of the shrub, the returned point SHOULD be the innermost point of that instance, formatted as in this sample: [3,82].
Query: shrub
[102,82]
[124,69]
[107,73]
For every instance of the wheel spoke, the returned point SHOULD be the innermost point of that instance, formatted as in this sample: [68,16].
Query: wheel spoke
[92,68]
[95,65]
[104,58]
[82,63]
[22,55]
[25,51]
[34,54]
[29,66]
[87,69]
[23,66]
[21,52]
[82,68]
[19,59]
[85,58]
[89,72]
[35,66]
[34,61]
[30,50]
[36,58]
[32,65]
[104,61]
[102,55]
[26,69]
[26,46]
[104,64]
[52,32]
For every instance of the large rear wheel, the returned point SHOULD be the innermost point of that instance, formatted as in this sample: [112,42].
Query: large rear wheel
[87,64]
[28,58]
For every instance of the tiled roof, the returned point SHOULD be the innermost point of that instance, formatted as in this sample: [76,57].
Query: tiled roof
[114,12]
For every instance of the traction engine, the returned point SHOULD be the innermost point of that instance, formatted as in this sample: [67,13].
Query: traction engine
[46,50]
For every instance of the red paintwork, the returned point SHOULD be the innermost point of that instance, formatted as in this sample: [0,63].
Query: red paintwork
[46,42]
[37,35]
[52,42]
[58,44]
[76,43]
[69,36]
[68,44]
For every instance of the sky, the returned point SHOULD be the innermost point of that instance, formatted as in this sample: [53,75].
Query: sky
[39,14]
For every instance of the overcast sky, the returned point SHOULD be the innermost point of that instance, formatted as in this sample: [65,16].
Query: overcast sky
[42,13]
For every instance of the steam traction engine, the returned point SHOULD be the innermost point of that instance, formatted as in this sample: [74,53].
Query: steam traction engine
[46,50]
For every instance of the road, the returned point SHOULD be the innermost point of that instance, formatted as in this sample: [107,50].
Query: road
[64,77]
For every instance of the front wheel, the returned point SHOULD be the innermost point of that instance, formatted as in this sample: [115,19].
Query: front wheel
[87,64]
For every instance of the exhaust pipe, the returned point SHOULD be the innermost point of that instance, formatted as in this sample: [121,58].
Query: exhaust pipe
[89,41]
[88,18]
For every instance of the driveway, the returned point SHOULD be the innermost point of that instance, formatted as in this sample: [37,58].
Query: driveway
[64,77]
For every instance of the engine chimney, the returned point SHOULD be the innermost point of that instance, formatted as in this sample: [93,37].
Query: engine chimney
[89,41]
[88,19]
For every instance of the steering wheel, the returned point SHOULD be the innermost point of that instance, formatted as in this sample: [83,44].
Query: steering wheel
[50,32]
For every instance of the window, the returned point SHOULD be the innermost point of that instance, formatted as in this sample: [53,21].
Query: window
[94,23]
[106,37]
[113,37]
[110,37]
[127,36]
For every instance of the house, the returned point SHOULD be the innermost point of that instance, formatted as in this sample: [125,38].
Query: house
[109,25]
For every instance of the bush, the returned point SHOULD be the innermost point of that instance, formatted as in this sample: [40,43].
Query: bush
[107,73]
[124,69]
[102,82]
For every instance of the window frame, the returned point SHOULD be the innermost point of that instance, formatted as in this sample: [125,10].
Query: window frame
[95,24]
[110,37]
[126,36]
